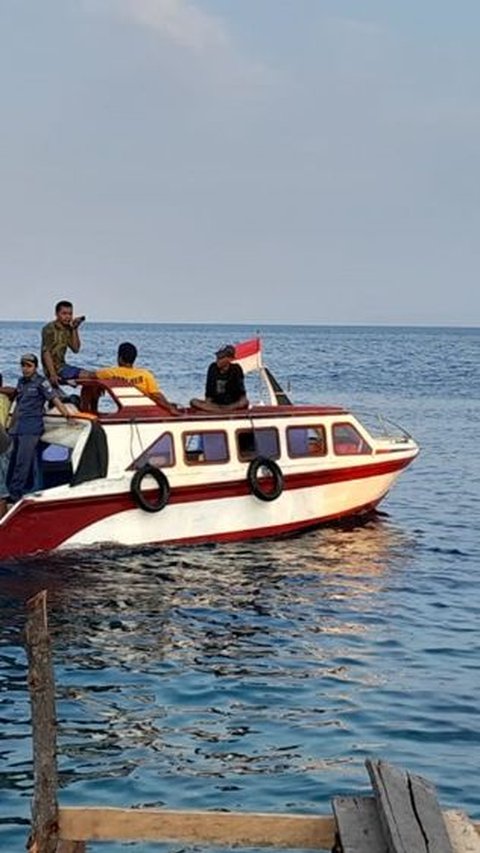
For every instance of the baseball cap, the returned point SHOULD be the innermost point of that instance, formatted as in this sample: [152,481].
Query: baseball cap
[29,357]
[227,351]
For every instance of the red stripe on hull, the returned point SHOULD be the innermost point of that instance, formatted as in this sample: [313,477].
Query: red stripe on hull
[36,526]
[237,488]
[44,526]
[277,530]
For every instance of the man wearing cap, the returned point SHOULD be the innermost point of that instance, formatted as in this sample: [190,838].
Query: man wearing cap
[32,392]
[225,385]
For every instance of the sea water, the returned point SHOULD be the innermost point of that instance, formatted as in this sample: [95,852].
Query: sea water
[259,676]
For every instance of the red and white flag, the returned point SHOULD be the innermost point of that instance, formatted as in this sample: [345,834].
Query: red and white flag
[249,354]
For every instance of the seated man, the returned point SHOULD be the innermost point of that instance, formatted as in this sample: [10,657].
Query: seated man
[225,385]
[58,336]
[139,376]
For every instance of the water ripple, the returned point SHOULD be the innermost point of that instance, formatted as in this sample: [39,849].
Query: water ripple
[259,676]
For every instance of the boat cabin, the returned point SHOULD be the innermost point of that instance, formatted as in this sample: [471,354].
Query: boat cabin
[130,430]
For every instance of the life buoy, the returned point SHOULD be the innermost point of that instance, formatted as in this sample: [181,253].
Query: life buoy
[268,489]
[163,486]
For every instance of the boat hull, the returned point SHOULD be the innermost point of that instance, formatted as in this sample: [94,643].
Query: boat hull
[222,510]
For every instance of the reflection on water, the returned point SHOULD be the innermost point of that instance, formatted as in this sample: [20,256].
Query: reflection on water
[180,662]
[105,593]
[253,675]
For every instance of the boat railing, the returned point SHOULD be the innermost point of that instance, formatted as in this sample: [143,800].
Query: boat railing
[381,427]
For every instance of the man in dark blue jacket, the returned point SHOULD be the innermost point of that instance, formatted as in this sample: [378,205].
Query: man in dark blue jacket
[32,392]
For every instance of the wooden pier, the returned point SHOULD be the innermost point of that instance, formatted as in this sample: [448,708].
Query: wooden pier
[402,815]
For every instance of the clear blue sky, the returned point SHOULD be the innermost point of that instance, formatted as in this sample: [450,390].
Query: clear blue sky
[246,160]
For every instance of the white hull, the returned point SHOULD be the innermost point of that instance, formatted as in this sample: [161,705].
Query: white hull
[235,517]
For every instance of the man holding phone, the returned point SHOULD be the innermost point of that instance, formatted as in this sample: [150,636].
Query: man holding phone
[57,337]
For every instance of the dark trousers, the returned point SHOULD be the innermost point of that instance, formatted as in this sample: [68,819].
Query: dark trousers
[23,465]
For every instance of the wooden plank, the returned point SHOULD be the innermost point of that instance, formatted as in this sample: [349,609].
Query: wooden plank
[230,828]
[309,832]
[408,809]
[429,814]
[462,832]
[44,832]
[358,825]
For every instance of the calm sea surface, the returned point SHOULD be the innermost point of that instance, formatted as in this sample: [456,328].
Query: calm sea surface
[259,676]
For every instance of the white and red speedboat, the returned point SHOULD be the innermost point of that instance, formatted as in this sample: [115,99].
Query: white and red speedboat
[135,474]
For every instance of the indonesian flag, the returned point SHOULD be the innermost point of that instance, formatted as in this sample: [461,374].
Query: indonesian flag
[249,354]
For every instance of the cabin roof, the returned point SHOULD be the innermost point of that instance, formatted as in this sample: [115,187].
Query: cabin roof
[133,404]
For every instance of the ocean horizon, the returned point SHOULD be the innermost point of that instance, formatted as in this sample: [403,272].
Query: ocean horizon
[256,325]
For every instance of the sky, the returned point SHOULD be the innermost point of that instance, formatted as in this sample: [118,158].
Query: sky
[244,161]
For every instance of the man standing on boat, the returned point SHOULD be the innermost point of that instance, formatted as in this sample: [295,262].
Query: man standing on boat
[32,392]
[225,385]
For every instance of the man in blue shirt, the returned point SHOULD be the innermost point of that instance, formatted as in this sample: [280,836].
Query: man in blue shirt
[32,392]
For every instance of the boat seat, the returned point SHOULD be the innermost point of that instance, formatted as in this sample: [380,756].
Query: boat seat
[56,467]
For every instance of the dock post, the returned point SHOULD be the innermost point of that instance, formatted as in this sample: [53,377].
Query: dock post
[44,829]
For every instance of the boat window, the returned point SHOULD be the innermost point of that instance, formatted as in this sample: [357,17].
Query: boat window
[306,441]
[205,447]
[258,442]
[347,440]
[160,454]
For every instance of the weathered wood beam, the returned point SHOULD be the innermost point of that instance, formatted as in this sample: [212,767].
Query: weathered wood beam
[191,827]
[359,829]
[358,825]
[408,809]
[229,828]
[44,830]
